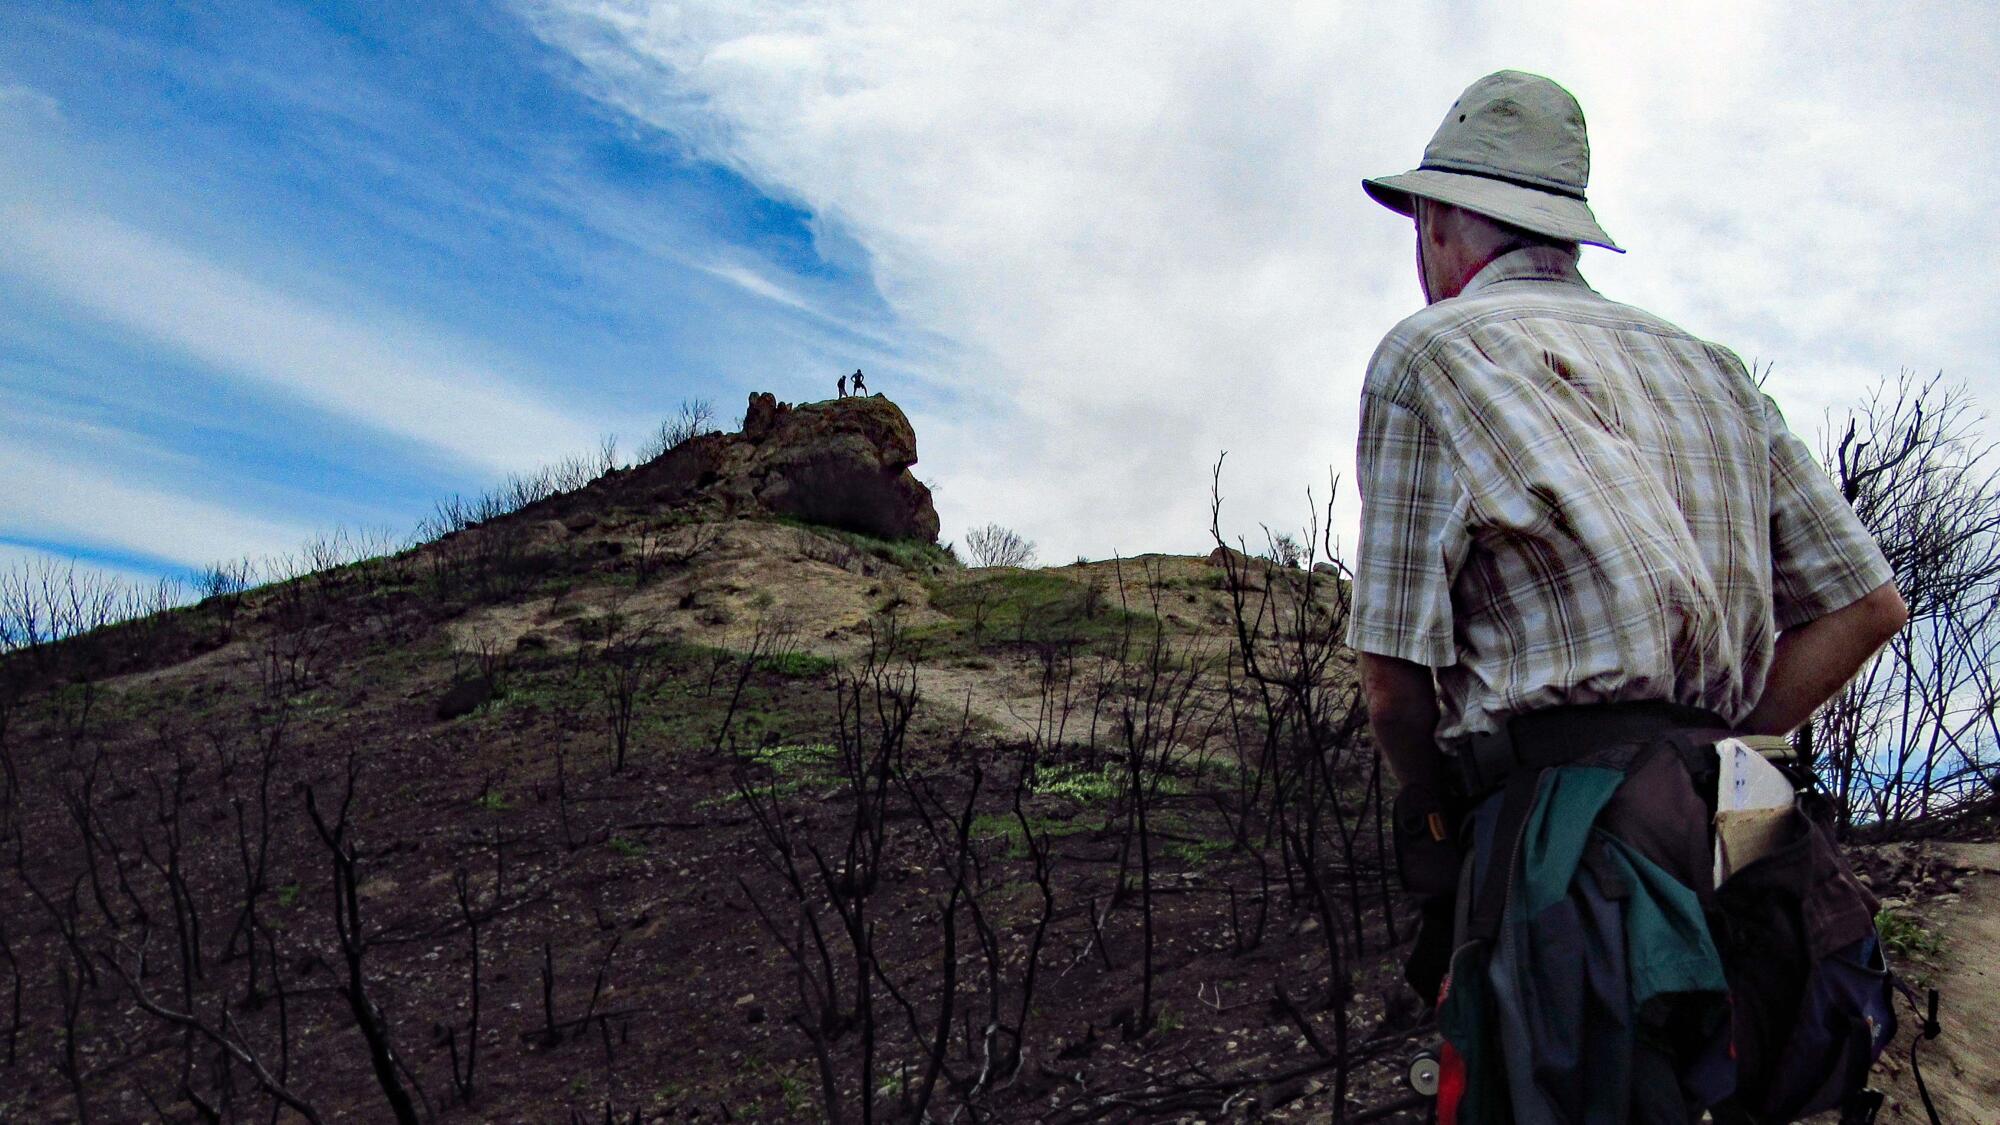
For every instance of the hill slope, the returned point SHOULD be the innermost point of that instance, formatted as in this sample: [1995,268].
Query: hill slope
[649,799]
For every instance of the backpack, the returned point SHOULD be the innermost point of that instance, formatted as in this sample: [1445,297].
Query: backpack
[1810,992]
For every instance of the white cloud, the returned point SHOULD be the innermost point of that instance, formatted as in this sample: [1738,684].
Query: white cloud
[397,376]
[751,281]
[1140,224]
[28,102]
[51,497]
[33,561]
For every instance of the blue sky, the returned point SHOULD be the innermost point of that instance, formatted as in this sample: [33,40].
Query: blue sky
[269,268]
[287,266]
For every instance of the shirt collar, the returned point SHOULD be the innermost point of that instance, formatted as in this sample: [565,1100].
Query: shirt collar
[1529,263]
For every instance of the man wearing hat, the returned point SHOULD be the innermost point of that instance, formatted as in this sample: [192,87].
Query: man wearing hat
[1583,530]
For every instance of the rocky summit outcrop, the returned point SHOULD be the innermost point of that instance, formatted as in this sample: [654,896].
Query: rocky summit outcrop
[842,462]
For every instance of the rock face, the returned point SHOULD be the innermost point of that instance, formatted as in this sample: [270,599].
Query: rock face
[844,462]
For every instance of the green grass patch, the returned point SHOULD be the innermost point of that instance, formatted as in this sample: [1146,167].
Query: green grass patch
[798,665]
[909,554]
[1194,853]
[793,1088]
[796,1092]
[1036,607]
[1006,826]
[787,767]
[1216,769]
[1088,786]
[492,801]
[600,627]
[630,849]
[1081,783]
[555,689]
[681,711]
[1905,937]
[894,1085]
[792,757]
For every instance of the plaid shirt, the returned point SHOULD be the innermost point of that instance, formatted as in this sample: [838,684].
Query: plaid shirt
[1568,500]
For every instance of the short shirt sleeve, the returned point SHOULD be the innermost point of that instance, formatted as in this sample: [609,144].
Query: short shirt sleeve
[1822,556]
[1402,576]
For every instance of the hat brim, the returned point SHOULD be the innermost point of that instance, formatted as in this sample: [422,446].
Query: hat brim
[1541,212]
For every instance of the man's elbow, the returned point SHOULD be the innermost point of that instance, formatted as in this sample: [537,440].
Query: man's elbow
[1397,691]
[1885,613]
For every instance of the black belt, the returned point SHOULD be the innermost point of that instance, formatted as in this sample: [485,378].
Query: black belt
[1555,735]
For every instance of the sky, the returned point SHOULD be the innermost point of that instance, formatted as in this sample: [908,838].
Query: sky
[267,269]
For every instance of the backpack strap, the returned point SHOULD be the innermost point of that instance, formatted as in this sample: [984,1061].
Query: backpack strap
[1930,1030]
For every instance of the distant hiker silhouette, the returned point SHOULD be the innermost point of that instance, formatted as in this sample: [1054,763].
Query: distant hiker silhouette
[842,384]
[859,387]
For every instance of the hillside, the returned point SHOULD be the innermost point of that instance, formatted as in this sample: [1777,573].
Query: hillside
[673,798]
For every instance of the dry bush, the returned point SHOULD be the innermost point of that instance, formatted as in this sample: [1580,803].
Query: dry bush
[456,513]
[691,419]
[824,548]
[226,580]
[1284,549]
[993,545]
[671,548]
[1918,731]
[45,602]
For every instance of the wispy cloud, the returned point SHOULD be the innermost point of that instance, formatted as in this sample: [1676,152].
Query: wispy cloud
[52,498]
[752,281]
[66,573]
[1141,225]
[380,371]
[26,101]
[255,265]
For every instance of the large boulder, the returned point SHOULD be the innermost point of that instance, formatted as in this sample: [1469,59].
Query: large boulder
[844,463]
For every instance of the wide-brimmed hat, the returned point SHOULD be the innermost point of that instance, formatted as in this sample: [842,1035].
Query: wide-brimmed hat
[1513,148]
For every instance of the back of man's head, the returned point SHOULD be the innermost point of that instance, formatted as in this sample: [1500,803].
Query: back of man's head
[1454,243]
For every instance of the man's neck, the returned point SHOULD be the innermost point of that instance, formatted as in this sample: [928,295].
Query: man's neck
[1464,268]
[1526,263]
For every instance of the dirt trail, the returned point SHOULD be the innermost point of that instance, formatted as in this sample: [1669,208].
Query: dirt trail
[1962,1065]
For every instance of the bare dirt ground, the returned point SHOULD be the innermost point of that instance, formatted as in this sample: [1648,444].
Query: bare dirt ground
[1962,1066]
[750,575]
[757,577]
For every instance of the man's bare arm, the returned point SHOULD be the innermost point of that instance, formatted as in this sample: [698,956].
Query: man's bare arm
[1403,714]
[1815,660]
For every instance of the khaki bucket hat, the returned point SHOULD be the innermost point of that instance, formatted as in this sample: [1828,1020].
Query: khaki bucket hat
[1513,148]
